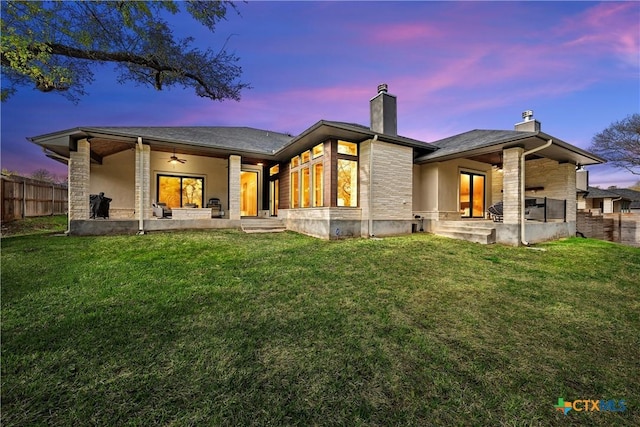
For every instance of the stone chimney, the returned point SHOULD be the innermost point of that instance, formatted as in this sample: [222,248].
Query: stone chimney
[384,112]
[529,124]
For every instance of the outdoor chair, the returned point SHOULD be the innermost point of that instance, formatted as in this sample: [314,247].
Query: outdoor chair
[496,212]
[161,210]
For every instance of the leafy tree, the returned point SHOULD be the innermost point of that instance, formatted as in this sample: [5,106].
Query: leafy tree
[620,144]
[53,45]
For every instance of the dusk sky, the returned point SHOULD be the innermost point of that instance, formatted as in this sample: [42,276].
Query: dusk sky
[454,67]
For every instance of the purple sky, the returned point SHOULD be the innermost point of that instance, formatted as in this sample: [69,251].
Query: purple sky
[454,66]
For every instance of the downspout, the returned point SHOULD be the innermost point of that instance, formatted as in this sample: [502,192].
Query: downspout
[375,138]
[140,168]
[522,187]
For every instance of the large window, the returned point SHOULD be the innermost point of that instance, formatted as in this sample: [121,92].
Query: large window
[307,179]
[347,181]
[177,191]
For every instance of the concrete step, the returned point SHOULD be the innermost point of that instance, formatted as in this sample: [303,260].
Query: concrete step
[262,225]
[478,232]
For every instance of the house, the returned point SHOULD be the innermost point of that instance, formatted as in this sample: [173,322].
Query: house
[611,200]
[333,180]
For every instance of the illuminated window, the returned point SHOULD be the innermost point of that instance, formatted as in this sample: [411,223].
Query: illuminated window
[318,184]
[176,191]
[306,188]
[295,190]
[347,182]
[317,151]
[306,156]
[348,148]
[307,180]
[274,170]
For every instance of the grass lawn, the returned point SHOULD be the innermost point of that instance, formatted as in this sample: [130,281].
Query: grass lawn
[226,328]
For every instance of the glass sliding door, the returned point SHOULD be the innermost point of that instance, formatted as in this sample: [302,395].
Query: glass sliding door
[176,191]
[472,195]
[248,193]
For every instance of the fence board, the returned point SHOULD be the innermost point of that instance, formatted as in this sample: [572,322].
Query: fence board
[24,197]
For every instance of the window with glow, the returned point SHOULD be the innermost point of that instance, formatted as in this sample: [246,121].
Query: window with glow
[317,151]
[274,170]
[306,190]
[306,156]
[295,190]
[295,162]
[318,180]
[347,182]
[176,191]
[348,148]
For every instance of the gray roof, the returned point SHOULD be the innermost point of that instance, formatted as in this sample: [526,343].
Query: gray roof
[234,138]
[480,141]
[627,193]
[475,139]
[597,193]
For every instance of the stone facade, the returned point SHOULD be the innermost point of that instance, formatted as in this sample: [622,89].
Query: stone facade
[143,181]
[511,185]
[79,176]
[235,168]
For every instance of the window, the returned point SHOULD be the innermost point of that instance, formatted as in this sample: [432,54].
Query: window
[306,156]
[274,170]
[318,185]
[347,182]
[176,191]
[295,189]
[348,148]
[317,151]
[306,191]
[307,179]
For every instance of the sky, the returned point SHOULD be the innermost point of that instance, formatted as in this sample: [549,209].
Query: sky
[453,66]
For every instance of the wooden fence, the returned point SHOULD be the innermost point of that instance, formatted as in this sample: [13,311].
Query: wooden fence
[24,197]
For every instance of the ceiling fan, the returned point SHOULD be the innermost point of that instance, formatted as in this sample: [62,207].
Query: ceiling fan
[174,159]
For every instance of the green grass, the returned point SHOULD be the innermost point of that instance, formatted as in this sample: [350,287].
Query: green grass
[35,225]
[225,328]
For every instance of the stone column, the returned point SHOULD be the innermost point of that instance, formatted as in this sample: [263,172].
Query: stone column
[234,186]
[511,186]
[570,195]
[79,175]
[143,181]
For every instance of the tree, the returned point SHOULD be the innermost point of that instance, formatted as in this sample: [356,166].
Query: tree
[620,144]
[53,45]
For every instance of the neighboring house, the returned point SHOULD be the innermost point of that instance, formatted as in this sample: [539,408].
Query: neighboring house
[611,200]
[333,180]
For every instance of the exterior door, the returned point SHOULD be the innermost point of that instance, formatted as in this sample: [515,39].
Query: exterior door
[248,193]
[472,195]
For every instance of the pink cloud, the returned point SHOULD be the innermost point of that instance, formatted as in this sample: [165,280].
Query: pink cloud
[404,32]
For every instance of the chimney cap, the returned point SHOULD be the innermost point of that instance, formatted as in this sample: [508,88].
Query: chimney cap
[383,88]
[527,115]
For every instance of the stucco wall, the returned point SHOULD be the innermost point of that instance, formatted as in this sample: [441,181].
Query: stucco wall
[116,178]
[214,171]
